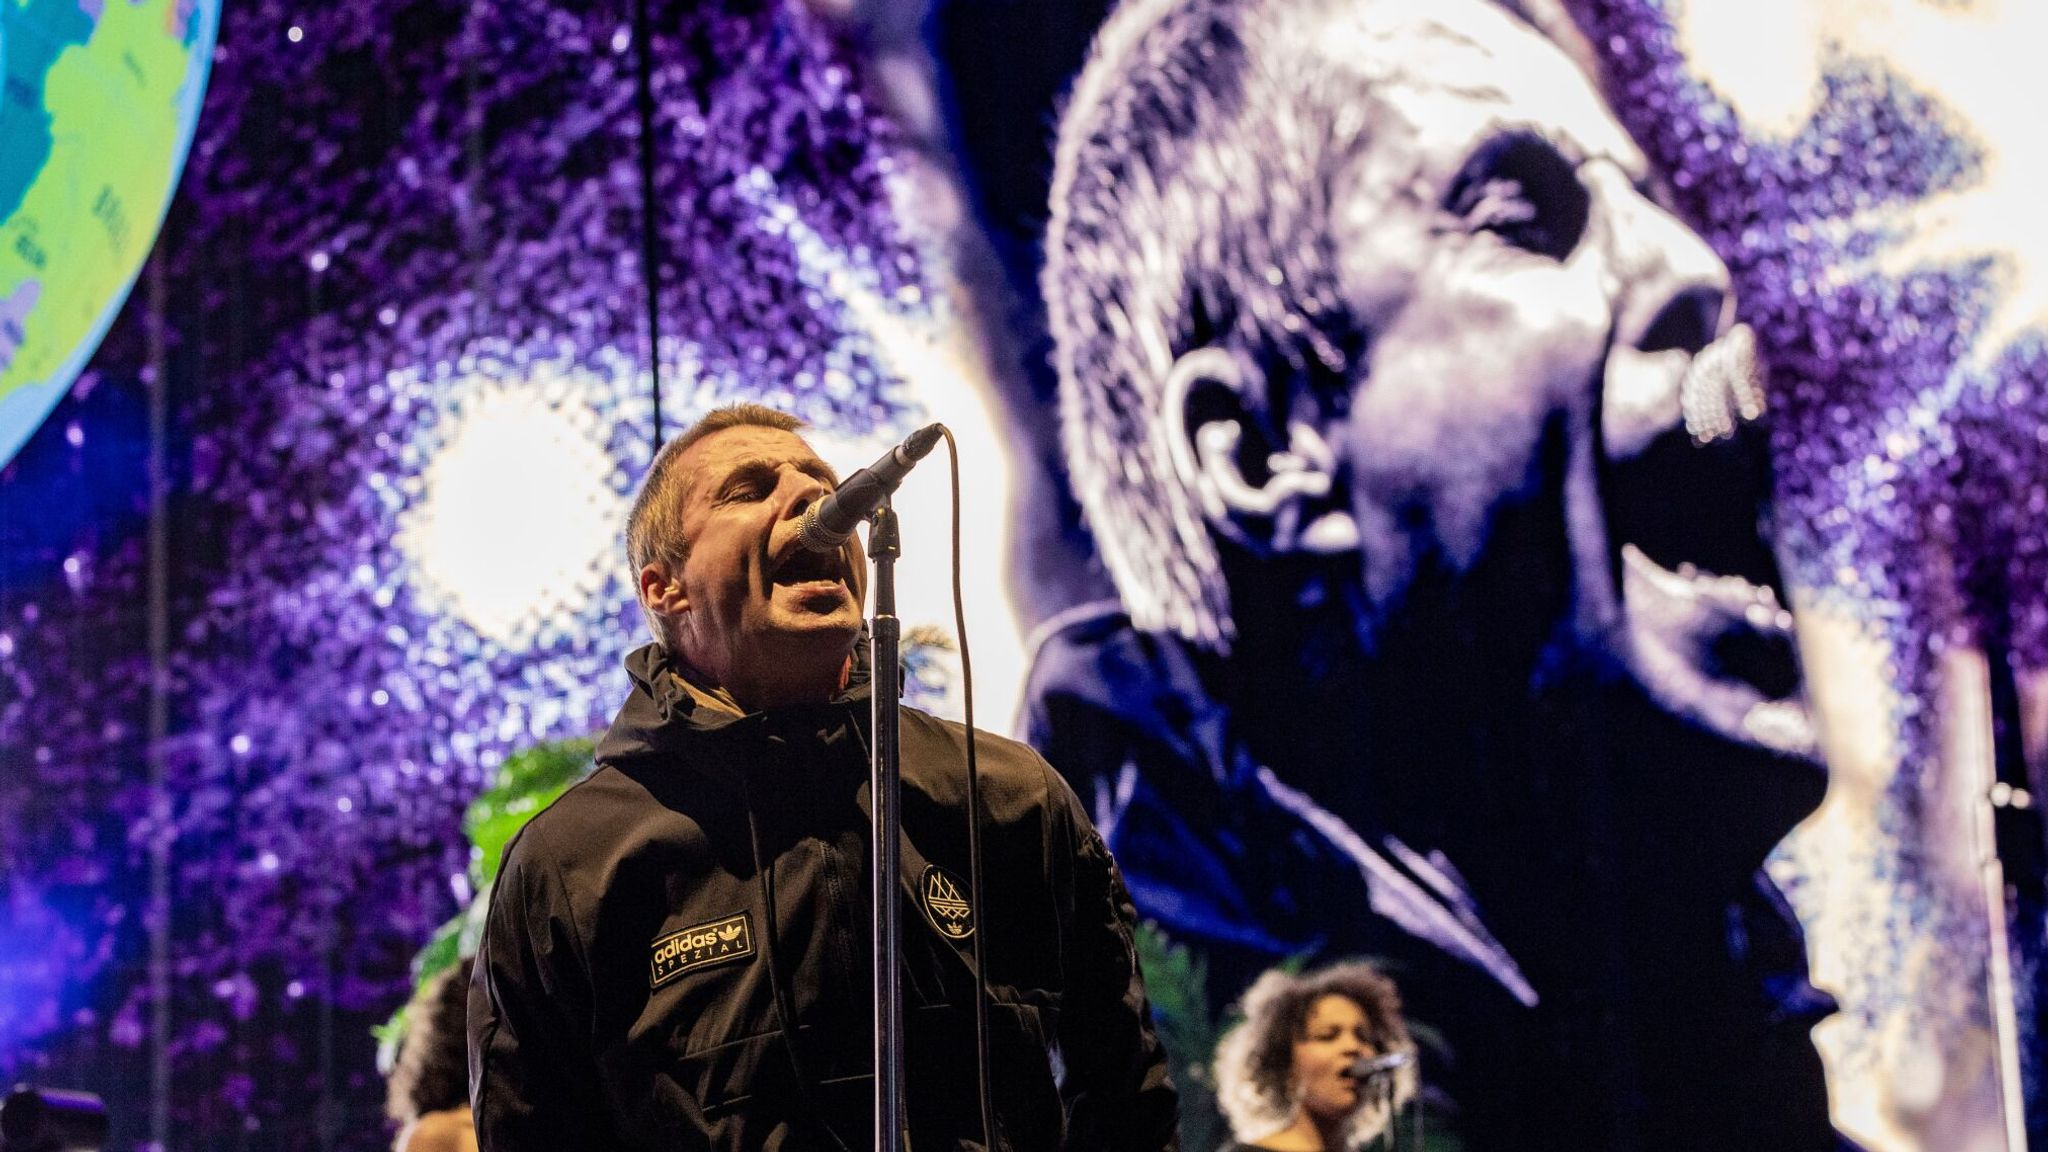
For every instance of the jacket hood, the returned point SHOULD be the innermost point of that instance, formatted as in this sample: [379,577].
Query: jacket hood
[661,716]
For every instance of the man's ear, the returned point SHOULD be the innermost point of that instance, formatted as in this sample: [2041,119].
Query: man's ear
[661,594]
[1268,489]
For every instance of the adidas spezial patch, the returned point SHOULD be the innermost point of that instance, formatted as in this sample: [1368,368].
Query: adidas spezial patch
[715,942]
[945,903]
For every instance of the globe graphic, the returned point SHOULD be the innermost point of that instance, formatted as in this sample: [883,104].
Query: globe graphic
[98,99]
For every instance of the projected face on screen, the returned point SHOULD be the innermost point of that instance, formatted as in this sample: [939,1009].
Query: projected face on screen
[1405,418]
[1497,240]
[1395,275]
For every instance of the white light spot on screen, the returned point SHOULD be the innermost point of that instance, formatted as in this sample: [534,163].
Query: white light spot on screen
[518,523]
[1978,63]
[1773,80]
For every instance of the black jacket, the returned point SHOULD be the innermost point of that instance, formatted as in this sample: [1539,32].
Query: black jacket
[659,931]
[1581,920]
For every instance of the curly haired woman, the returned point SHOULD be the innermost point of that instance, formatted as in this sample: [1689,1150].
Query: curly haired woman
[428,1092]
[1289,1077]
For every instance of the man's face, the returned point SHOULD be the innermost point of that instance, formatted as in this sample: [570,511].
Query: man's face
[753,612]
[1532,318]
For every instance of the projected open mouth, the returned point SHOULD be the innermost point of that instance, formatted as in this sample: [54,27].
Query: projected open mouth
[1687,501]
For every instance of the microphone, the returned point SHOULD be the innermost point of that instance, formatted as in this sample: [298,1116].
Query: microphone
[1368,1067]
[48,1120]
[827,523]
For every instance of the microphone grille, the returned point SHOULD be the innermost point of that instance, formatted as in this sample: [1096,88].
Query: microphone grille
[920,443]
[813,535]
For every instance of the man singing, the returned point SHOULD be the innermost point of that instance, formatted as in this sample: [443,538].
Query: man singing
[677,953]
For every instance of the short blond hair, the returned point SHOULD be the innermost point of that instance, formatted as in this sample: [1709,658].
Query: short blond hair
[654,528]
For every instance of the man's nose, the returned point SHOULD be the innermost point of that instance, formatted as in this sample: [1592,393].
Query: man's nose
[798,491]
[1673,290]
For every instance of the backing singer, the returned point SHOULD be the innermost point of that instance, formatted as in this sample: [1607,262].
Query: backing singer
[1288,1077]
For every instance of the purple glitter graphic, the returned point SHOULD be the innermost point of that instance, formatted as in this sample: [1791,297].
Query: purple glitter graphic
[1911,459]
[401,213]
[393,219]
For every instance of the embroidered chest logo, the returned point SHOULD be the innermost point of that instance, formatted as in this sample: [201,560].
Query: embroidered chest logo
[945,904]
[715,942]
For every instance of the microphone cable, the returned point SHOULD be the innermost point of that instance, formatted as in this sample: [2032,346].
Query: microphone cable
[974,819]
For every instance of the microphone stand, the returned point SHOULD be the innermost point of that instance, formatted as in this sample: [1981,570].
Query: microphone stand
[885,544]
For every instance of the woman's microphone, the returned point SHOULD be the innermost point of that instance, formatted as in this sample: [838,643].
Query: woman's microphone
[1369,1067]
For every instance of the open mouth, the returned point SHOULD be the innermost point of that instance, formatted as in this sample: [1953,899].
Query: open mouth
[1687,501]
[805,567]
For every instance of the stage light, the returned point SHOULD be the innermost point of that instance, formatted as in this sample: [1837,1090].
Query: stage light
[517,520]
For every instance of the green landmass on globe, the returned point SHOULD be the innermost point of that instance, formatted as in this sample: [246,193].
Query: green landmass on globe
[98,99]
